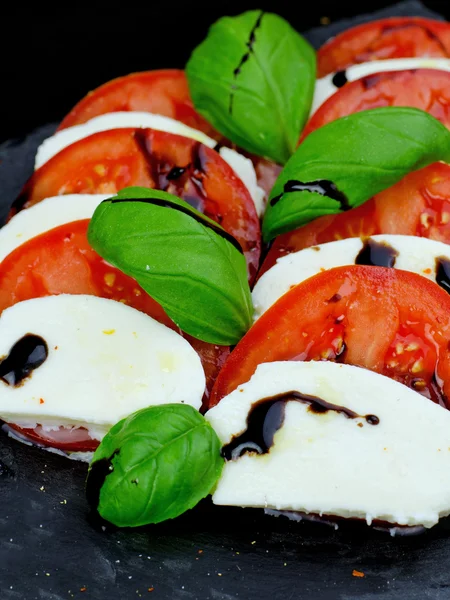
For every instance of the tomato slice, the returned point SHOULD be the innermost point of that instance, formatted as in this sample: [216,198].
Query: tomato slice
[398,37]
[389,321]
[60,261]
[75,439]
[427,89]
[163,92]
[109,161]
[418,205]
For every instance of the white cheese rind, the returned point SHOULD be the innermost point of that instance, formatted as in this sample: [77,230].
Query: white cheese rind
[415,254]
[325,87]
[241,165]
[105,361]
[48,214]
[396,471]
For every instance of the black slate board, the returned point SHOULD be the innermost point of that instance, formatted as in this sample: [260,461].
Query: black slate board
[51,549]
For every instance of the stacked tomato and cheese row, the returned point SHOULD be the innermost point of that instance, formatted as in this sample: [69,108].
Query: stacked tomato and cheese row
[392,322]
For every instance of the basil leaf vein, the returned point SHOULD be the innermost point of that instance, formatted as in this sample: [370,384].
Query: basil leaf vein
[361,154]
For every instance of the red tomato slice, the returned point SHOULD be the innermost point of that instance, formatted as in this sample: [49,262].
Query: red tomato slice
[426,89]
[76,439]
[398,37]
[60,261]
[389,321]
[109,161]
[164,92]
[418,205]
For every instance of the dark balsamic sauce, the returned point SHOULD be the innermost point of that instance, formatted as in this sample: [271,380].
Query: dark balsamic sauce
[250,44]
[98,472]
[175,173]
[27,354]
[266,417]
[443,273]
[168,204]
[339,79]
[376,254]
[324,187]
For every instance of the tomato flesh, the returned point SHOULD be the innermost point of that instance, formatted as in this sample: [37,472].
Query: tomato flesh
[109,161]
[418,205]
[398,37]
[426,89]
[60,261]
[390,321]
[75,439]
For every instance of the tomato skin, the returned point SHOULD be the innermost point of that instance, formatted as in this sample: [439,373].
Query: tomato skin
[61,261]
[109,161]
[389,321]
[418,205]
[397,37]
[162,92]
[426,89]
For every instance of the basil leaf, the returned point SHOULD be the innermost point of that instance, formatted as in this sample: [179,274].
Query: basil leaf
[184,260]
[350,160]
[154,465]
[253,79]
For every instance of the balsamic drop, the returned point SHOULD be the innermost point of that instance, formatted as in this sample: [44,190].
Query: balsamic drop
[443,273]
[98,472]
[266,417]
[376,254]
[27,354]
[339,79]
[324,187]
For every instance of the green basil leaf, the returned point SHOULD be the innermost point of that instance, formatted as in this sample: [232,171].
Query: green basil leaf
[182,259]
[350,160]
[154,465]
[253,78]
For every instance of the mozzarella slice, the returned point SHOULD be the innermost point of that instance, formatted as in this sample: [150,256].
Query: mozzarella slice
[105,361]
[48,214]
[242,166]
[329,464]
[418,255]
[326,86]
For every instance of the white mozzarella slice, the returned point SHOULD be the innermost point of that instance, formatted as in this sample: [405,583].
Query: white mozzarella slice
[48,214]
[326,88]
[329,464]
[242,166]
[415,254]
[105,361]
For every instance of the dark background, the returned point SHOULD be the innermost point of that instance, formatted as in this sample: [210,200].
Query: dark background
[51,56]
[49,547]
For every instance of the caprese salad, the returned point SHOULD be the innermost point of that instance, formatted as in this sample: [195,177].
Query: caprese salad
[235,280]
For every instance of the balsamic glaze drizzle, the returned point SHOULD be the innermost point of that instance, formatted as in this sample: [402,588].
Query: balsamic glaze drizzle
[168,204]
[339,79]
[443,273]
[376,254]
[175,173]
[98,472]
[266,417]
[27,354]
[250,43]
[324,187]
